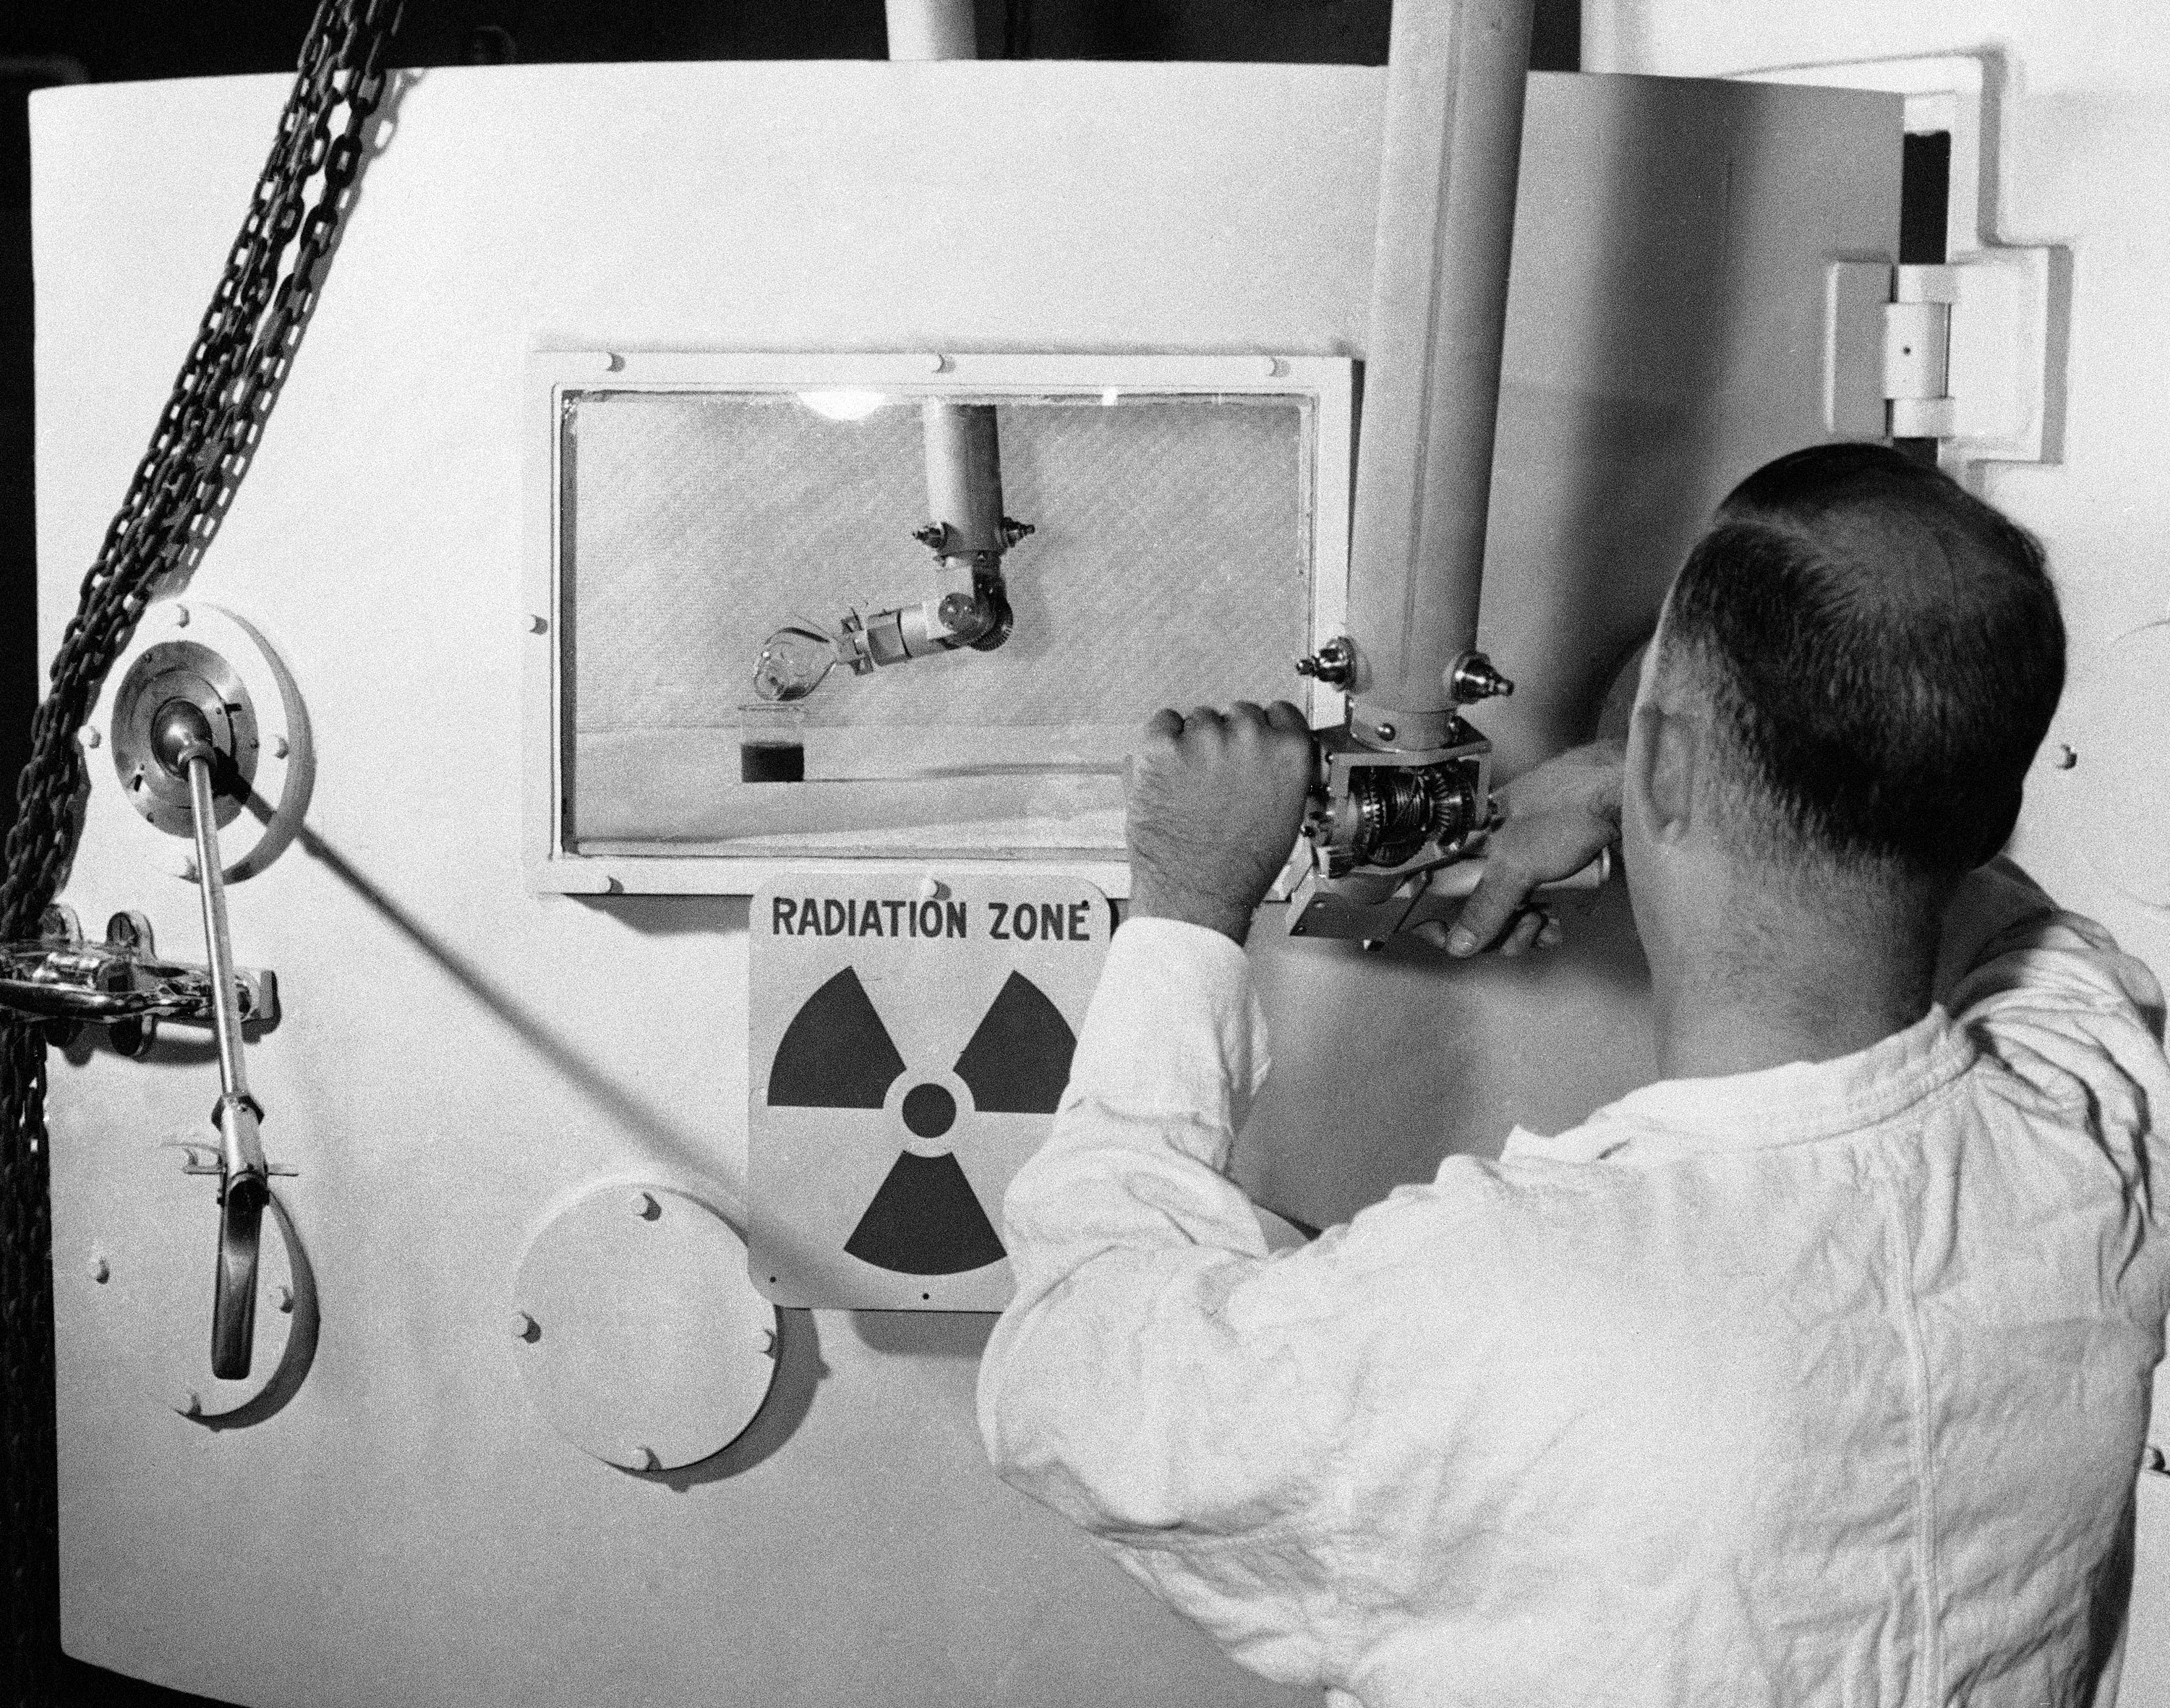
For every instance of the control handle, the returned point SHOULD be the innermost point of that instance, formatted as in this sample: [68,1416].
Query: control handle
[182,741]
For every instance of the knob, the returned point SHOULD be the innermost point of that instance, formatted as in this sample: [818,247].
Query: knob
[1332,664]
[1472,677]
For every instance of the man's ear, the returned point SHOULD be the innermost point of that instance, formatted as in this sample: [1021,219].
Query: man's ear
[1665,760]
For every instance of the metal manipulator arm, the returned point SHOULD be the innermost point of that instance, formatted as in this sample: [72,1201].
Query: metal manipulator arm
[968,605]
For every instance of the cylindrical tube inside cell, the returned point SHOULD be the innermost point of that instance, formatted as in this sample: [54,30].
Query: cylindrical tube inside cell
[964,476]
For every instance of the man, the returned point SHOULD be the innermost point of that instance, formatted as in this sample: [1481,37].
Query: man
[1816,1373]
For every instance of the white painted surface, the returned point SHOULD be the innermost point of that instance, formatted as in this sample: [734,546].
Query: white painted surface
[637,1331]
[2080,94]
[462,1058]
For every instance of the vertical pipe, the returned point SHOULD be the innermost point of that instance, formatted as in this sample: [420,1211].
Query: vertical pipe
[1455,79]
[932,30]
[963,459]
[963,475]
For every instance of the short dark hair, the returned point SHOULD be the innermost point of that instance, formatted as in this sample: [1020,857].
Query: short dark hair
[1883,653]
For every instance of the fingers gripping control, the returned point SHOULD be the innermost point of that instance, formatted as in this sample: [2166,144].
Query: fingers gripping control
[1215,802]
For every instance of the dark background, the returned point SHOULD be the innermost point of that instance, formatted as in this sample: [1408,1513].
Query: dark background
[120,40]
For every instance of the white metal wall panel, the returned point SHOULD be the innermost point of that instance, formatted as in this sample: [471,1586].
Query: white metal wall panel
[460,1056]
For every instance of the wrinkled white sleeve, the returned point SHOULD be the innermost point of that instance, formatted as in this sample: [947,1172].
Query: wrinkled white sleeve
[1159,1379]
[2014,965]
[2054,998]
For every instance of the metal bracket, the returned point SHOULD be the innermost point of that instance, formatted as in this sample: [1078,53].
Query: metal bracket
[1959,353]
[122,983]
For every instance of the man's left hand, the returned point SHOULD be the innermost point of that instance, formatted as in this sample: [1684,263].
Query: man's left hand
[1216,800]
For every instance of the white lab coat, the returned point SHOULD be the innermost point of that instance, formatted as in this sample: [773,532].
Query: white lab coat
[1825,1385]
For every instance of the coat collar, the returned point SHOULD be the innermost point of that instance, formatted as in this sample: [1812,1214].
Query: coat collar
[1788,1105]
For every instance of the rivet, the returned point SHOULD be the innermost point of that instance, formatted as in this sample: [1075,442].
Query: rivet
[2066,759]
[1385,732]
[282,1299]
[538,626]
[768,1343]
[91,738]
[189,1405]
[525,1327]
[180,616]
[933,889]
[612,361]
[645,1459]
[279,747]
[100,1270]
[645,1206]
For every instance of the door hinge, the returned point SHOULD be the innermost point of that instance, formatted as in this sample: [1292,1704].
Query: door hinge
[1961,353]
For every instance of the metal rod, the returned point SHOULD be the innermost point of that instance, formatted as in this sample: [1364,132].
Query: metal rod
[243,1187]
[1456,74]
[932,30]
[218,948]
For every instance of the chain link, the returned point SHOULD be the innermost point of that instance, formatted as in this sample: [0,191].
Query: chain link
[199,452]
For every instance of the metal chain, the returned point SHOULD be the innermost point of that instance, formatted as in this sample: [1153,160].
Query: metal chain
[202,448]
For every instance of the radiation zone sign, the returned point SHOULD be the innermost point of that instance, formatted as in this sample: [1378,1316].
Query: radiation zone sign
[908,1042]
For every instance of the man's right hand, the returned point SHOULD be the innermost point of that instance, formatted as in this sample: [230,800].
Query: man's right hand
[1560,817]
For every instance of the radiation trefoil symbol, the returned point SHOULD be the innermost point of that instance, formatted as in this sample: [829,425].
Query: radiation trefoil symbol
[901,1077]
[838,1054]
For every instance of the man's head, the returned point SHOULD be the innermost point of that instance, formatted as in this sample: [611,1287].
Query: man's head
[1861,658]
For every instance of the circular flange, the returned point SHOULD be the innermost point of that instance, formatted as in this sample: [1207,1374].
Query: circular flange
[189,671]
[190,650]
[641,1340]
